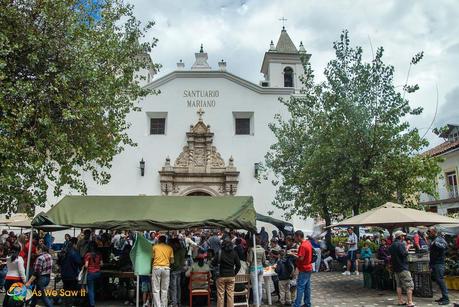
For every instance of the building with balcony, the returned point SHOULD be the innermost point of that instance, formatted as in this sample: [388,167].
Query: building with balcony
[447,184]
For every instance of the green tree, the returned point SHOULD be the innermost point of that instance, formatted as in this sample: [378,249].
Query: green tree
[67,81]
[346,146]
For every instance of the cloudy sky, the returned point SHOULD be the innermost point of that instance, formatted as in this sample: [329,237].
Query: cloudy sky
[239,31]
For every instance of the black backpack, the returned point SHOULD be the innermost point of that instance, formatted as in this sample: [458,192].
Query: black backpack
[287,269]
[61,256]
[314,255]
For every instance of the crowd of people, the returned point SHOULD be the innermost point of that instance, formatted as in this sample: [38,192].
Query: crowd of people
[223,255]
[177,255]
[392,252]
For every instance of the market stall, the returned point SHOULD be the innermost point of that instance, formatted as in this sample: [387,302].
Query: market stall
[391,216]
[151,213]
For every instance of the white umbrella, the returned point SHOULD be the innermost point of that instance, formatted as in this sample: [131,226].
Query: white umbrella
[391,215]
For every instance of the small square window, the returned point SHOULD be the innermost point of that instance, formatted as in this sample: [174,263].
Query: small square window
[242,126]
[157,126]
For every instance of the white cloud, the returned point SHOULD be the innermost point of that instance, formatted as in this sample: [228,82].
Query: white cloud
[240,32]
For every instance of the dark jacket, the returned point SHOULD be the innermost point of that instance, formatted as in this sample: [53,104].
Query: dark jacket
[230,263]
[179,259]
[214,243]
[284,269]
[71,263]
[240,252]
[399,256]
[438,249]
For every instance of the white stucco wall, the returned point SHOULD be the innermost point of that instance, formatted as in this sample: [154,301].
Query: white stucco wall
[245,149]
[450,164]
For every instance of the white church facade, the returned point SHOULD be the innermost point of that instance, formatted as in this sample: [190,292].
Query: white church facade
[207,130]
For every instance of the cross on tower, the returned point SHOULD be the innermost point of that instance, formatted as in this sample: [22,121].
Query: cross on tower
[283,19]
[200,113]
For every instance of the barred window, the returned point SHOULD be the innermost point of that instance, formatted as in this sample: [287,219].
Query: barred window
[157,126]
[242,126]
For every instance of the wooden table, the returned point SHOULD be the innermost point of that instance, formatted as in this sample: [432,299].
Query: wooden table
[116,273]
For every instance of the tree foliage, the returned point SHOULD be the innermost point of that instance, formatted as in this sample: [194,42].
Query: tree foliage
[347,146]
[67,82]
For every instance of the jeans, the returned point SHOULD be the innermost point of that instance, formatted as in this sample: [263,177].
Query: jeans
[225,283]
[91,279]
[438,271]
[3,272]
[175,288]
[40,286]
[303,289]
[160,284]
[71,285]
[254,275]
[316,265]
[351,256]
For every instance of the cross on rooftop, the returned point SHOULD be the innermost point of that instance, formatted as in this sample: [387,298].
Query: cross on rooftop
[283,19]
[200,113]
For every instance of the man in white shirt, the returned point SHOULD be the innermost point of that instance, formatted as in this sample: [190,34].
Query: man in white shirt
[352,247]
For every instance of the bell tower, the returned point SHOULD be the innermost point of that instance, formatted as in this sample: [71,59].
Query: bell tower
[282,64]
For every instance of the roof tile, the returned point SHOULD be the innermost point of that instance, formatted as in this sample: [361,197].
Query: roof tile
[442,148]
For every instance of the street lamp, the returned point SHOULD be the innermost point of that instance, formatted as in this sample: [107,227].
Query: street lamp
[142,167]
[256,169]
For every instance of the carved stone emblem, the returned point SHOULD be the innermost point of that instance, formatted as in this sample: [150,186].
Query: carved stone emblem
[199,168]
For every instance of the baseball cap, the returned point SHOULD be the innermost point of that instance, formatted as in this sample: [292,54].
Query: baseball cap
[399,233]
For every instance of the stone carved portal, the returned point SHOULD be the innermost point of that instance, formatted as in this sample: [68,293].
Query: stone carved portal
[199,169]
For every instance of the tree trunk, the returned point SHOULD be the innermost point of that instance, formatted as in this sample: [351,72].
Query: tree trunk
[327,219]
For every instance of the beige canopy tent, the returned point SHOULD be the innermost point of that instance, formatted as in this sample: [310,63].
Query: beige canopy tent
[391,215]
[18,218]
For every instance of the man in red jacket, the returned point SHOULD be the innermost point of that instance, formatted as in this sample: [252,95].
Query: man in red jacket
[304,265]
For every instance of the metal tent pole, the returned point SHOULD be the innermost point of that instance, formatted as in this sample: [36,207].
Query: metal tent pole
[137,287]
[29,253]
[257,292]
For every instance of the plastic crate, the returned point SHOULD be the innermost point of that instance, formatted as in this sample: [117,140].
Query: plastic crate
[419,266]
[422,284]
[452,282]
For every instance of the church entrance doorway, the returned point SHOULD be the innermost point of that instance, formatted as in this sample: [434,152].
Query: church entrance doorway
[198,193]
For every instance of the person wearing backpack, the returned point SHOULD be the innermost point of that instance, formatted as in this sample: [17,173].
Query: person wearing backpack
[284,270]
[304,260]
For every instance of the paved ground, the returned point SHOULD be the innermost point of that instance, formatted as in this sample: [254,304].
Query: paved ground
[335,290]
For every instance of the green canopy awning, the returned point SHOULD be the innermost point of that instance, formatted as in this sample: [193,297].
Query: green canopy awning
[283,226]
[151,212]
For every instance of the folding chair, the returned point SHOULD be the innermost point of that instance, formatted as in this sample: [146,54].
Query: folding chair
[243,279]
[199,277]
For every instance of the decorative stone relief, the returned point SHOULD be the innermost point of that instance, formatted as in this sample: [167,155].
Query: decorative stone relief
[199,167]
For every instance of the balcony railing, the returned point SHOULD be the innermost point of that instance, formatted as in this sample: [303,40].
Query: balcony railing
[453,191]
